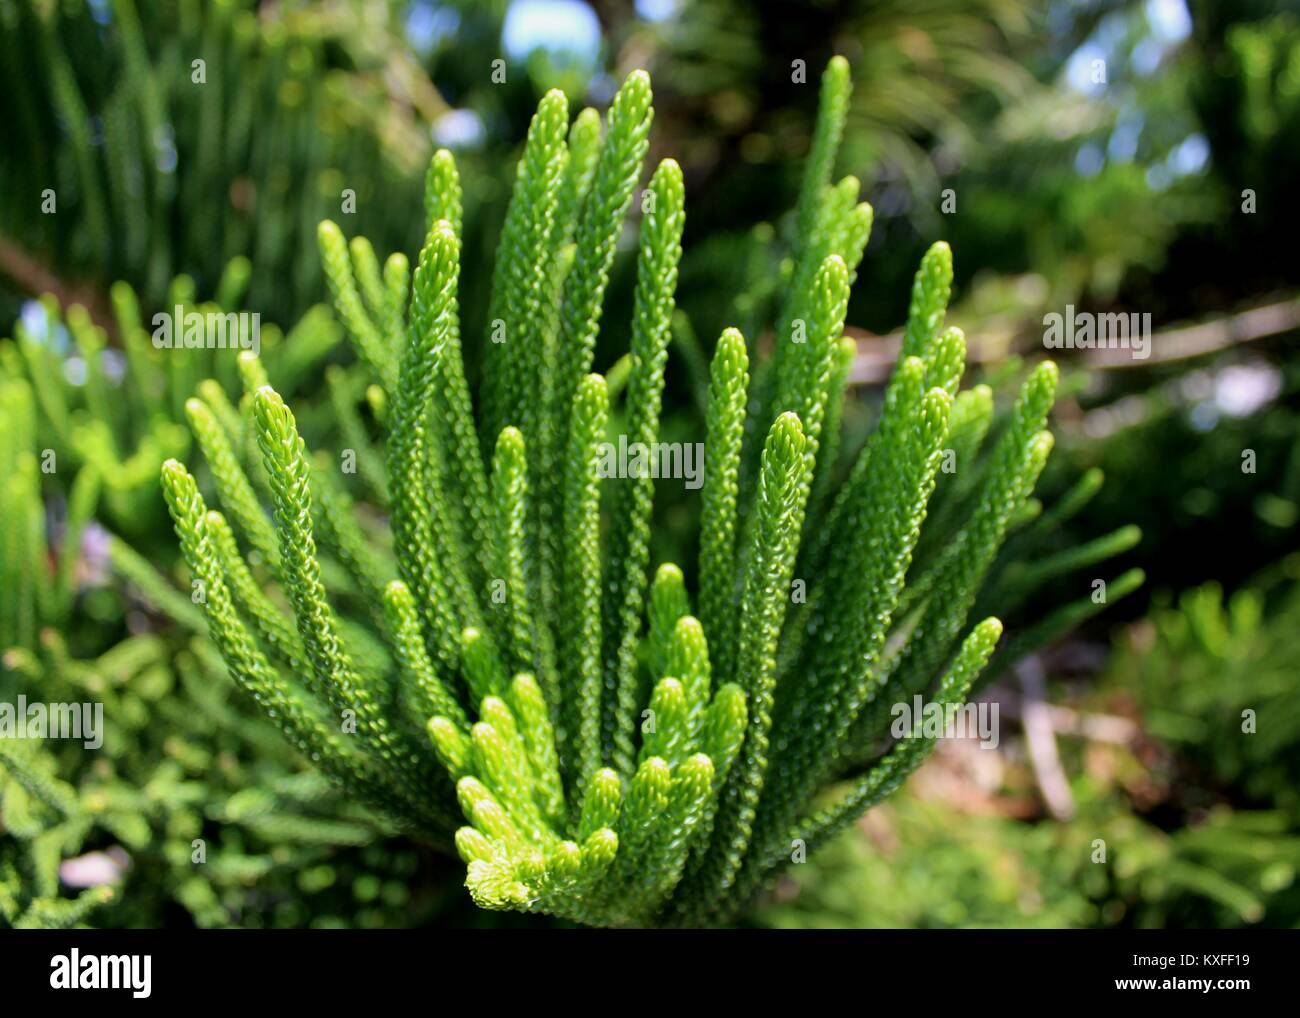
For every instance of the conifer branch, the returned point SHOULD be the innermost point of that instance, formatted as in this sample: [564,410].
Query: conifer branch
[595,749]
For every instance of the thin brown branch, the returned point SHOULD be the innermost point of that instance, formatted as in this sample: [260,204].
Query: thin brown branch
[1040,737]
[876,354]
[37,280]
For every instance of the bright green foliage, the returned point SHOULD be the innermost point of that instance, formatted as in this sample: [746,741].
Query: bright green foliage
[121,432]
[767,579]
[22,537]
[832,110]
[581,596]
[182,756]
[190,802]
[45,811]
[617,169]
[213,809]
[661,250]
[369,339]
[728,389]
[513,366]
[523,634]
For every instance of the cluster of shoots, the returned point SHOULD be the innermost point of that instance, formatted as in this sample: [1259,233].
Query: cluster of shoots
[605,741]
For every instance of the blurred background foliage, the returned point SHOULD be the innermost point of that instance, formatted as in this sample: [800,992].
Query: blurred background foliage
[1133,156]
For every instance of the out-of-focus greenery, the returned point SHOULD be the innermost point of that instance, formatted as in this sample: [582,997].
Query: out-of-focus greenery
[1203,457]
[927,864]
[1199,816]
[1215,676]
[148,140]
[160,138]
[192,809]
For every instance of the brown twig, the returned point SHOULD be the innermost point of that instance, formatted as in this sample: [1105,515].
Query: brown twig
[876,354]
[1040,737]
[1085,724]
[36,279]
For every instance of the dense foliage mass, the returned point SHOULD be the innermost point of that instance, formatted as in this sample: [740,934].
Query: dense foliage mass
[509,675]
